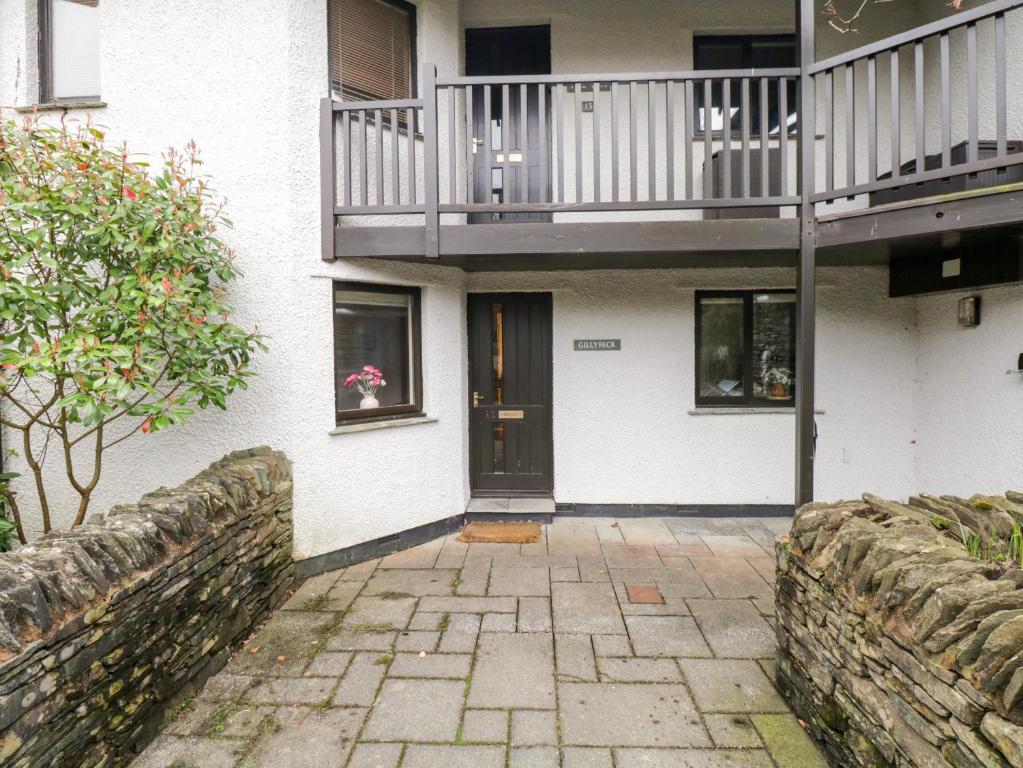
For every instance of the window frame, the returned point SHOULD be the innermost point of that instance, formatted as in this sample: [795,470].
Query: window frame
[387,412]
[745,41]
[748,400]
[411,10]
[44,28]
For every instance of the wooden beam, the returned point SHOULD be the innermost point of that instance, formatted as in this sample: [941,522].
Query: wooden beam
[806,432]
[998,206]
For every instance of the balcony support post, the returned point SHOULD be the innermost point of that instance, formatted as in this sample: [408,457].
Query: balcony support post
[806,263]
[328,188]
[431,162]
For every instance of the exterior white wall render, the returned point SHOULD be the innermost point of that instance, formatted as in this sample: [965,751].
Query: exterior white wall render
[909,401]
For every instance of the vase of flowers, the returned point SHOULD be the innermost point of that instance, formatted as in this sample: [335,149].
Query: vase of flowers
[778,381]
[367,381]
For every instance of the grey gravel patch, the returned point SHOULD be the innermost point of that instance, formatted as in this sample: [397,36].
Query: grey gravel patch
[513,672]
[416,710]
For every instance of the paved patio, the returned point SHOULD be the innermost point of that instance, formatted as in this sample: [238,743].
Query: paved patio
[529,656]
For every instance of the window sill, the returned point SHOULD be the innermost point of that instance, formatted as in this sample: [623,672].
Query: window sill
[745,411]
[370,426]
[61,106]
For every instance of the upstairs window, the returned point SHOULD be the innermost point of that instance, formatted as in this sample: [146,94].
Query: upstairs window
[68,50]
[744,52]
[745,348]
[372,49]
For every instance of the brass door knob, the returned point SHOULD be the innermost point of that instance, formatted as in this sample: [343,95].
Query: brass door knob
[476,399]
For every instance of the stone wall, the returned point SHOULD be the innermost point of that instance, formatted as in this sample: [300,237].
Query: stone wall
[895,646]
[104,628]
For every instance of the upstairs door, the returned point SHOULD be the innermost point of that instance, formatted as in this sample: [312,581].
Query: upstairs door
[509,51]
[510,393]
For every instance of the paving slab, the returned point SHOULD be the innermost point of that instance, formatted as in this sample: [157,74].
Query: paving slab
[586,757]
[731,577]
[627,556]
[532,728]
[328,664]
[519,582]
[612,645]
[586,608]
[732,731]
[375,756]
[534,614]
[486,725]
[739,545]
[666,636]
[422,556]
[513,671]
[691,758]
[474,577]
[416,710]
[468,604]
[787,742]
[380,613]
[291,690]
[437,665]
[731,685]
[435,755]
[572,540]
[312,738]
[636,670]
[574,657]
[533,757]
[360,683]
[734,628]
[285,644]
[616,714]
[417,641]
[460,634]
[498,622]
[359,640]
[185,752]
[411,583]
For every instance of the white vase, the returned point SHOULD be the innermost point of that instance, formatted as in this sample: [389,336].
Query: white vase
[369,402]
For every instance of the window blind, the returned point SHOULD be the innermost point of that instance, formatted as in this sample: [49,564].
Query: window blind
[74,48]
[371,49]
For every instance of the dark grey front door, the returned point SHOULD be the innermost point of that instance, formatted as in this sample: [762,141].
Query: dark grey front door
[510,393]
[509,51]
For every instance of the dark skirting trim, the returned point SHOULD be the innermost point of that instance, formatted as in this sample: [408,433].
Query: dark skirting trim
[675,510]
[385,545]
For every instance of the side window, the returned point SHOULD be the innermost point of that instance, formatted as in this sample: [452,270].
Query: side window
[68,50]
[372,49]
[377,360]
[745,348]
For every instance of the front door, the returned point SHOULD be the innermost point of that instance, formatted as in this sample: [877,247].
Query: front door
[509,51]
[510,393]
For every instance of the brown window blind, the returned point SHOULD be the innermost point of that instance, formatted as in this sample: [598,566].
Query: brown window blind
[371,49]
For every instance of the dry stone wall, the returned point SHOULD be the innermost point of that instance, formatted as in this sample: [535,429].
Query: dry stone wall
[895,646]
[104,628]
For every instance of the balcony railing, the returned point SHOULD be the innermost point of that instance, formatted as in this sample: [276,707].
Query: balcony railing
[940,86]
[529,148]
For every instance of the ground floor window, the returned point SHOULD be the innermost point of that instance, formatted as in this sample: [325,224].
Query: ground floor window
[377,359]
[745,348]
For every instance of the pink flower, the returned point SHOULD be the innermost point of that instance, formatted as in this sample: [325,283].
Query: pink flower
[368,368]
[376,381]
[351,380]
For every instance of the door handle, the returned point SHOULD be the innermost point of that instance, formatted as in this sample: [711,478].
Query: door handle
[476,399]
[476,143]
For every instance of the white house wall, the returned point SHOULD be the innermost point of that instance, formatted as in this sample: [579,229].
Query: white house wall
[245,79]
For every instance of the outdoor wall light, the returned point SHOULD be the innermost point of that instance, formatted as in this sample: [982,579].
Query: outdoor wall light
[969,312]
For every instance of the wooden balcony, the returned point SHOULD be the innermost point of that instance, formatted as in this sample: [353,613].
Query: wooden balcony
[684,168]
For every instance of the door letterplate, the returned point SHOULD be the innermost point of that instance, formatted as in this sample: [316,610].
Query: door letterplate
[513,157]
[518,415]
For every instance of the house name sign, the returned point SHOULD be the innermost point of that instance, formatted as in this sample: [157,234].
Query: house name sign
[597,345]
